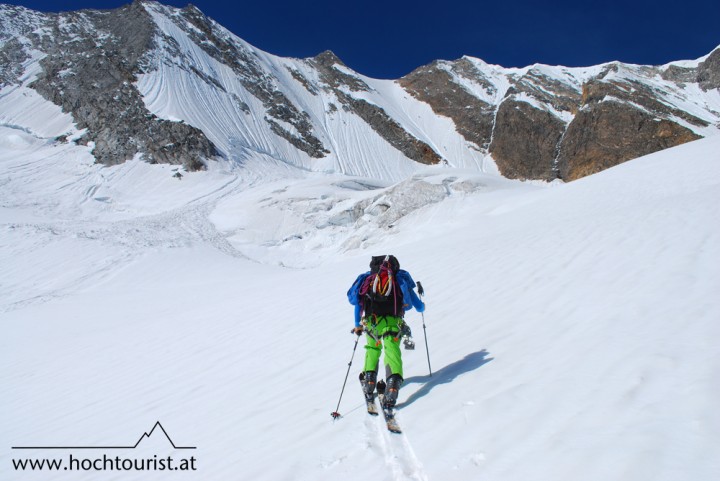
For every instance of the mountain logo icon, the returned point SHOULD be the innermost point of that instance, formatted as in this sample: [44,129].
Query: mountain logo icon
[145,436]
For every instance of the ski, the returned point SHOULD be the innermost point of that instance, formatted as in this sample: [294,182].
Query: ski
[389,415]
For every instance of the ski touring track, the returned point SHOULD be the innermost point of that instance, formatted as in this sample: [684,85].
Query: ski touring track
[124,240]
[397,451]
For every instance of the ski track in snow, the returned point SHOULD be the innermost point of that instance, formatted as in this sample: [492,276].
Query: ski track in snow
[57,221]
[127,298]
[397,451]
[128,240]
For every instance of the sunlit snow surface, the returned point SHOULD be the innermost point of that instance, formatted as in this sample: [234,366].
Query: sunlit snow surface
[572,328]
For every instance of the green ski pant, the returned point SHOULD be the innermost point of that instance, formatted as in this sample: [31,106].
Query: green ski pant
[383,333]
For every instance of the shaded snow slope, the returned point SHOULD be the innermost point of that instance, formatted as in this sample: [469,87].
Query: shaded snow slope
[572,328]
[216,101]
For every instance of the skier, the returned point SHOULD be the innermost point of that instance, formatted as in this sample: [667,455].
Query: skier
[381,297]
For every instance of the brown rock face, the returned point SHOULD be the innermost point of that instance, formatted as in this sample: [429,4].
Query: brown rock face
[709,71]
[525,141]
[473,118]
[609,133]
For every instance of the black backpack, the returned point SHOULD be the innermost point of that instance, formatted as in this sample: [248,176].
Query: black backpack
[380,293]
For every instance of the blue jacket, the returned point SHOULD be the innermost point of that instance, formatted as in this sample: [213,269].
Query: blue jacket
[406,283]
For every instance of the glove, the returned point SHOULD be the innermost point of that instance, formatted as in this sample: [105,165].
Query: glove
[421,291]
[357,330]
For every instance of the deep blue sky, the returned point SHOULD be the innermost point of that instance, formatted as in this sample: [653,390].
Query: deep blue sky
[388,39]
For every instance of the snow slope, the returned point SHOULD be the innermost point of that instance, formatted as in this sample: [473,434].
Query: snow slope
[572,328]
[172,90]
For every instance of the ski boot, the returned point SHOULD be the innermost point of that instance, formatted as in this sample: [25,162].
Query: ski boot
[391,390]
[388,397]
[367,380]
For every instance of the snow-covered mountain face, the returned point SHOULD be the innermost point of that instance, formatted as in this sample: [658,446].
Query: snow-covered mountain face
[543,122]
[87,63]
[173,86]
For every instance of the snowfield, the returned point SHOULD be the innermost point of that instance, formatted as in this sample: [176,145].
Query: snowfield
[572,328]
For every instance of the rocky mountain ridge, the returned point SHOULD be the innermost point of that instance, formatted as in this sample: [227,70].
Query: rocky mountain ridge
[556,122]
[93,77]
[172,85]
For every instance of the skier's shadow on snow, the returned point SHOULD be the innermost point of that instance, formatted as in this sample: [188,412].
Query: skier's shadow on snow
[445,375]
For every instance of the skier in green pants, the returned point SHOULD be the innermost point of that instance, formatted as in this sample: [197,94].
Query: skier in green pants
[381,297]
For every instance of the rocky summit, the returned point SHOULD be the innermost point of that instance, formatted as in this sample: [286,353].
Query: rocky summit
[173,86]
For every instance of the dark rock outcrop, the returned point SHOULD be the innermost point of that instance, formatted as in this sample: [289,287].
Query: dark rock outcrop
[708,72]
[17,25]
[91,62]
[619,121]
[610,133]
[435,86]
[526,141]
[636,93]
[12,56]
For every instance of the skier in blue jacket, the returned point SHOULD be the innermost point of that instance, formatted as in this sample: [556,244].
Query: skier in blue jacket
[383,323]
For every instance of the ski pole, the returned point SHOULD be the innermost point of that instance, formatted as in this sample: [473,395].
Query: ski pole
[335,414]
[421,291]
